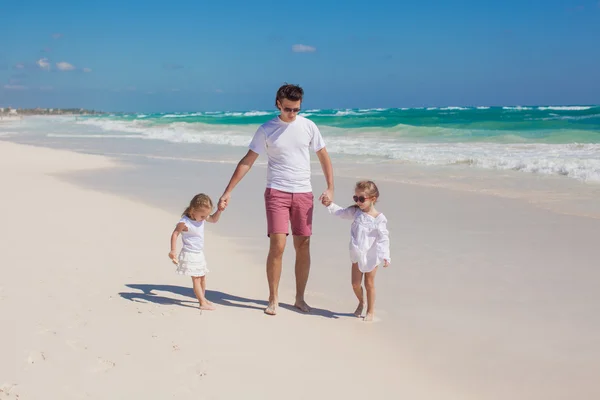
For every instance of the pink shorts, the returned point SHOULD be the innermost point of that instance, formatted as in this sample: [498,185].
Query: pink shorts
[284,208]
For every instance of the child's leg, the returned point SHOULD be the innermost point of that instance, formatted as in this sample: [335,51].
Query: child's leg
[203,285]
[199,292]
[370,286]
[357,287]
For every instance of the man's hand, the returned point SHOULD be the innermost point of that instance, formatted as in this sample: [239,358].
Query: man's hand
[224,201]
[326,196]
[386,263]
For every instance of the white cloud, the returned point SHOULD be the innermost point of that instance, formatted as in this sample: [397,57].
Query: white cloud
[303,48]
[43,63]
[87,70]
[15,87]
[219,91]
[57,35]
[64,66]
[20,66]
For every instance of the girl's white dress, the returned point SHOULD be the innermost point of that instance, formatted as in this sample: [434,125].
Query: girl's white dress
[369,237]
[191,258]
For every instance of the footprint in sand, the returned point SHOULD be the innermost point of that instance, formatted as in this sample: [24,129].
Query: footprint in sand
[36,357]
[8,391]
[104,365]
[201,370]
[75,345]
[79,323]
[159,312]
[45,331]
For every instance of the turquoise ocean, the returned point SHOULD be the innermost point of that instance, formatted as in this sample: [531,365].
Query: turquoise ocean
[557,140]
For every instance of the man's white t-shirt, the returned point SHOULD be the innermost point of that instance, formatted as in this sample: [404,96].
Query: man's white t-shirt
[288,146]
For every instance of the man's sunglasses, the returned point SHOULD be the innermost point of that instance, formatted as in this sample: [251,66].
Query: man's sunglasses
[359,199]
[287,109]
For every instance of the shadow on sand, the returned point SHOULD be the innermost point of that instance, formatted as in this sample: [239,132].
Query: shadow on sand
[146,292]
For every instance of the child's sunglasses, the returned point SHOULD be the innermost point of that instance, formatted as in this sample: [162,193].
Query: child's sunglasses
[359,199]
[288,110]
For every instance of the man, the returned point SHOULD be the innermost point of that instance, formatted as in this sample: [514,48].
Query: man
[287,141]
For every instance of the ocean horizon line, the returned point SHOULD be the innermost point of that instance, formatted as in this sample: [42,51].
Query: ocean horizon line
[405,108]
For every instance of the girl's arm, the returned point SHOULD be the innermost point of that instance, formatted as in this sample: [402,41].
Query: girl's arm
[383,242]
[215,217]
[178,229]
[345,213]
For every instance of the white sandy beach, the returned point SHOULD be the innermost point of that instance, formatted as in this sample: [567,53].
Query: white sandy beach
[487,297]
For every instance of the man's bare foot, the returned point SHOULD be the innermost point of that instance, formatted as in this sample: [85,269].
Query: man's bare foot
[271,308]
[302,306]
[207,307]
[359,310]
[368,317]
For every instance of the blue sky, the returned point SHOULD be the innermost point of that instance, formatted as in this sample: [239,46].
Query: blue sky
[232,55]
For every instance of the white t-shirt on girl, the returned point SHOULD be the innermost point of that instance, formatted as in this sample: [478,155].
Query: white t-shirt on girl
[193,239]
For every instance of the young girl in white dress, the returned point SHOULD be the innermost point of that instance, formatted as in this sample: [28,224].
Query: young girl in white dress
[191,260]
[369,242]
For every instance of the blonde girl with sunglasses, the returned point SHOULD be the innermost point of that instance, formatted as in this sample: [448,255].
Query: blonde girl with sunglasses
[369,242]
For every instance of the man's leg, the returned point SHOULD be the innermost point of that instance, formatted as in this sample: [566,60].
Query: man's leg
[274,260]
[302,246]
[301,215]
[277,206]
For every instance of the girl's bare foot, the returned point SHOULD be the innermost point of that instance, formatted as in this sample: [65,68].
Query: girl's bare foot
[208,306]
[368,317]
[359,310]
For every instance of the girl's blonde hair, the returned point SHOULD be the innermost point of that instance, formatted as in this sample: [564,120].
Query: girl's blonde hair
[198,201]
[369,187]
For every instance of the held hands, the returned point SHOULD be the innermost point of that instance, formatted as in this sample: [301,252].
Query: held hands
[224,201]
[173,257]
[326,197]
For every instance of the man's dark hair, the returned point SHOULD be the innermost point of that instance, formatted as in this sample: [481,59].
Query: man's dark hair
[290,92]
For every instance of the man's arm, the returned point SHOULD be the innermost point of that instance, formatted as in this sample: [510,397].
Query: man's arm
[327,171]
[240,171]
